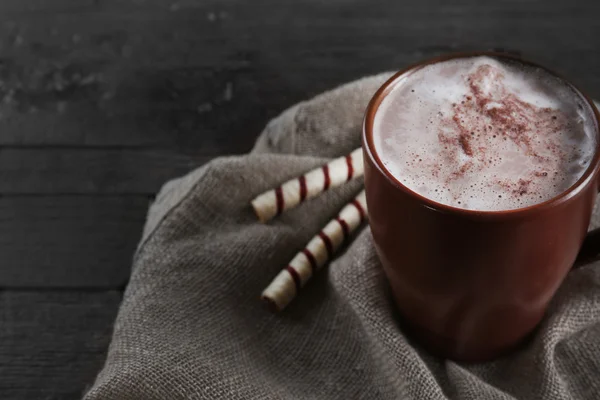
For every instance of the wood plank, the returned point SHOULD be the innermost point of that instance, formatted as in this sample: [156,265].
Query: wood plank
[119,74]
[52,344]
[90,171]
[100,73]
[68,242]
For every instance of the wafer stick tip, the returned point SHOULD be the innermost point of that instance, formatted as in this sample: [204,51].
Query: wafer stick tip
[258,211]
[270,304]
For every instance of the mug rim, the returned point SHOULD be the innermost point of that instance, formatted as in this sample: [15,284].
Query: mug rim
[368,147]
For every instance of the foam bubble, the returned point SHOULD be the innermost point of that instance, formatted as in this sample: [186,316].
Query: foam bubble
[481,134]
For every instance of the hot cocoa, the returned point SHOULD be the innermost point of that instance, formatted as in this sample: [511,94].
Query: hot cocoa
[482,134]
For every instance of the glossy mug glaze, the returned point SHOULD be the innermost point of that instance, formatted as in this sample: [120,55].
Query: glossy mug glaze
[471,285]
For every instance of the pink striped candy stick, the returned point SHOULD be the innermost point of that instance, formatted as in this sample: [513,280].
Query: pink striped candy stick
[309,185]
[319,250]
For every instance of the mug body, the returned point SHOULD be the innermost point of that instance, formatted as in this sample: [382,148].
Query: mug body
[470,285]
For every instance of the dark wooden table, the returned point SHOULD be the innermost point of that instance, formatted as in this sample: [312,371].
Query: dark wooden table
[103,101]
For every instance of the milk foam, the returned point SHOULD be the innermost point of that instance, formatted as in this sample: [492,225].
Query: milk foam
[480,134]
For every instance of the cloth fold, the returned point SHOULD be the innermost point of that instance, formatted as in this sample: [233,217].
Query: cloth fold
[191,325]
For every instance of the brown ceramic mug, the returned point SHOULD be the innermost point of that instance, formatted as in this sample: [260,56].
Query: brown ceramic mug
[471,285]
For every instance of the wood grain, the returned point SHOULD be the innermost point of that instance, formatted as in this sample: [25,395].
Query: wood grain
[69,242]
[52,344]
[210,74]
[90,171]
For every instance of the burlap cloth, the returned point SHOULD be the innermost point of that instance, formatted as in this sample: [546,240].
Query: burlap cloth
[191,325]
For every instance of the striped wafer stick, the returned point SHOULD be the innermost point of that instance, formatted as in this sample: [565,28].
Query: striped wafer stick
[319,250]
[295,191]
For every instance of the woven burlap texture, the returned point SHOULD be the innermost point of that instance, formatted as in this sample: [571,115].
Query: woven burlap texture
[191,325]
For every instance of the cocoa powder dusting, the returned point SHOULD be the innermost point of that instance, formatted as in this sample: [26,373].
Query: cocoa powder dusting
[522,187]
[464,143]
[488,111]
[518,120]
[462,171]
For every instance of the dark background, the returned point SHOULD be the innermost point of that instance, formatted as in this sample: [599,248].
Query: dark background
[102,101]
